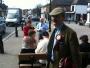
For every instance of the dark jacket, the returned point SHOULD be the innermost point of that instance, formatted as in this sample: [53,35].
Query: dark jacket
[71,46]
[85,47]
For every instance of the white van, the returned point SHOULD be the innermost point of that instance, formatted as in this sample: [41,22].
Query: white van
[14,15]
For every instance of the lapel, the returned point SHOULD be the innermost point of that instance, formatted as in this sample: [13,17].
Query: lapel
[63,29]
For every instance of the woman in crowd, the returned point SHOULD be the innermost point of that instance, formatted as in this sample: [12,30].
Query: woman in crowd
[28,27]
[42,46]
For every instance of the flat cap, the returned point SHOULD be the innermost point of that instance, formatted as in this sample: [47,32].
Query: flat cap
[56,11]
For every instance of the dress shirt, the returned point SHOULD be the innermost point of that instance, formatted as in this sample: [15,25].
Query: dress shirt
[42,26]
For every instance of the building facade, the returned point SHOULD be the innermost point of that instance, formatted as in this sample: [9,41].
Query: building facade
[3,9]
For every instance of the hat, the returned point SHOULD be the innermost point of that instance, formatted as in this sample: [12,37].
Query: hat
[57,11]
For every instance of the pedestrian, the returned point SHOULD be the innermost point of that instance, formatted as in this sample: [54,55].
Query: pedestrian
[63,46]
[85,48]
[42,46]
[41,27]
[85,45]
[26,29]
[1,45]
[30,42]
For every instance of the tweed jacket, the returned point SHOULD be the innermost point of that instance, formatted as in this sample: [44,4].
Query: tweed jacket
[71,47]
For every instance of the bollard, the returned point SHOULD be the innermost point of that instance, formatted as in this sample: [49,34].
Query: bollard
[22,25]
[1,45]
[16,31]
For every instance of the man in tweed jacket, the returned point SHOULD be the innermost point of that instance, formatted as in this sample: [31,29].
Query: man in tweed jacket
[70,46]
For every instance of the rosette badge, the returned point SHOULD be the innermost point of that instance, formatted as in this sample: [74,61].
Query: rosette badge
[59,37]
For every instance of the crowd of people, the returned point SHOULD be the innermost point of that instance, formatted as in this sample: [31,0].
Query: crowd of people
[62,47]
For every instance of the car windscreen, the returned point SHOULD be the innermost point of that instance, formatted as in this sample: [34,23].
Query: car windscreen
[35,19]
[11,16]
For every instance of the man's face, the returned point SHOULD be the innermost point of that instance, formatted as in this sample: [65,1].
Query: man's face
[57,20]
[42,20]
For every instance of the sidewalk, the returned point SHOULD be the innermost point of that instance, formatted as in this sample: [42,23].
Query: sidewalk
[12,48]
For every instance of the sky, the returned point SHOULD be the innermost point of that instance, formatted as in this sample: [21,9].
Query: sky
[24,4]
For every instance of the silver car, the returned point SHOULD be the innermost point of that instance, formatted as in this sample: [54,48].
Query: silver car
[2,25]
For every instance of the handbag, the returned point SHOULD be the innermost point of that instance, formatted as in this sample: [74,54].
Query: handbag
[66,63]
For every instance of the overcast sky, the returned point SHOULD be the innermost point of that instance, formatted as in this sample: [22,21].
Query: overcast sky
[24,4]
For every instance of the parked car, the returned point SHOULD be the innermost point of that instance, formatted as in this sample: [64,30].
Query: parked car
[2,25]
[35,19]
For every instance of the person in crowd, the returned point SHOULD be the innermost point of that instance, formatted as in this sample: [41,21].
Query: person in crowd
[42,46]
[32,39]
[63,43]
[41,27]
[85,47]
[81,20]
[30,43]
[26,29]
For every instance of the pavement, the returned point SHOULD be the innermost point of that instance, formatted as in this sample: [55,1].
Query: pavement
[12,46]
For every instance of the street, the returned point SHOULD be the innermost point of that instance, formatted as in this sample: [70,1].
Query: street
[8,31]
[13,45]
[80,30]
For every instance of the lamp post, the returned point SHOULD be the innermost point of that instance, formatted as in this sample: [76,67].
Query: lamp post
[88,16]
[50,17]
[16,31]
[1,1]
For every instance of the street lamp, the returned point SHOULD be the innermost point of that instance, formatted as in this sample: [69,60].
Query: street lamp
[16,31]
[88,16]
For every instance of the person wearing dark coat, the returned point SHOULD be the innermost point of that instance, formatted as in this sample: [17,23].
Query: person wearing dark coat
[63,42]
[85,45]
[85,48]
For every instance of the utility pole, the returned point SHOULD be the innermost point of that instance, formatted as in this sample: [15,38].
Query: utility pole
[50,17]
[1,1]
[16,31]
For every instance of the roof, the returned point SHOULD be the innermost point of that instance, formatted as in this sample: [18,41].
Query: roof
[62,2]
[81,2]
[69,2]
